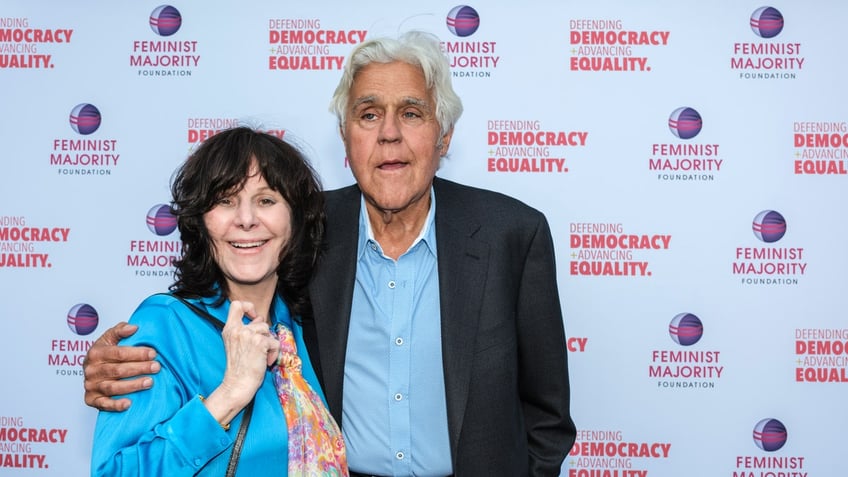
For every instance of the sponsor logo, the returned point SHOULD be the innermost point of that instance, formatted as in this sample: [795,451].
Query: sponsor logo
[685,161]
[822,355]
[606,453]
[526,146]
[607,46]
[19,242]
[821,148]
[605,249]
[23,47]
[769,59]
[469,58]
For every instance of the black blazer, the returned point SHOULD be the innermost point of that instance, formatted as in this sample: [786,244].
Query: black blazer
[503,343]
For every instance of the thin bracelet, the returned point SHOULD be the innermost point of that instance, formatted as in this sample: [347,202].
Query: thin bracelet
[225,427]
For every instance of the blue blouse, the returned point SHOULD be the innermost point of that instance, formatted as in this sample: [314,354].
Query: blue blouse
[167,429]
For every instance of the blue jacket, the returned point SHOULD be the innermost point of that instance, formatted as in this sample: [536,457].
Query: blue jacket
[167,430]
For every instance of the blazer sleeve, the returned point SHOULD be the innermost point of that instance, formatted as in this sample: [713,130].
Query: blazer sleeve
[543,374]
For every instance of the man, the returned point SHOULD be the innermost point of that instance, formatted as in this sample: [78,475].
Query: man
[437,325]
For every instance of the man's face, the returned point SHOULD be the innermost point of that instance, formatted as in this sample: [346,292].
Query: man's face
[391,136]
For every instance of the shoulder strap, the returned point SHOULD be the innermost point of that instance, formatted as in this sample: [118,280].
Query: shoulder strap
[248,410]
[200,312]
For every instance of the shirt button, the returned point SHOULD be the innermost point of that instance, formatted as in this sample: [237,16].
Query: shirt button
[398,396]
[399,341]
[392,284]
[399,455]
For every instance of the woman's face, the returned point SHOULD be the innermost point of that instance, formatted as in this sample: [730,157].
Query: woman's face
[248,229]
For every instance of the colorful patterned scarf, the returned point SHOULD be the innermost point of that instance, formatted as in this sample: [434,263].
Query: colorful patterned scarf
[316,446]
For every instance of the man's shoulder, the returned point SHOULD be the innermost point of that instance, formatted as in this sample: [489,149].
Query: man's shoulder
[453,195]
[341,192]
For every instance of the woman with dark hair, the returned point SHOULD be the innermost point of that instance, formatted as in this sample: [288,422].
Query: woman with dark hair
[228,336]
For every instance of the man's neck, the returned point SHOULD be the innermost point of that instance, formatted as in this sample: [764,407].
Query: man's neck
[396,231]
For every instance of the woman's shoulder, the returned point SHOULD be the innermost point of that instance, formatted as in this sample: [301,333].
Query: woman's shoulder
[156,307]
[163,315]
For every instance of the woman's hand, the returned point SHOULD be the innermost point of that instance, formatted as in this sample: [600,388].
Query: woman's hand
[250,349]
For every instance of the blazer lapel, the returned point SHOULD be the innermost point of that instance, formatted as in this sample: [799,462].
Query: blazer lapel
[331,290]
[463,261]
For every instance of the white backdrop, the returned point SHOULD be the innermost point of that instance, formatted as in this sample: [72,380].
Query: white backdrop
[690,157]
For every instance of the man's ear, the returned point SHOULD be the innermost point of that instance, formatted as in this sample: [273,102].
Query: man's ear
[446,139]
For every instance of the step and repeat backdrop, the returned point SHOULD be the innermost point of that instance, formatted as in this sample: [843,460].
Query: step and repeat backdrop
[690,157]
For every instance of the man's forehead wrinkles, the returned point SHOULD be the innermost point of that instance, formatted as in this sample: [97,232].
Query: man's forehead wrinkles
[377,100]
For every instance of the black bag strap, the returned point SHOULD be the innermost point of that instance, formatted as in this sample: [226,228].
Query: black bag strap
[248,410]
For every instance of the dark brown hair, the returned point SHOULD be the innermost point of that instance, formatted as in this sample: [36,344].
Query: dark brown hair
[219,167]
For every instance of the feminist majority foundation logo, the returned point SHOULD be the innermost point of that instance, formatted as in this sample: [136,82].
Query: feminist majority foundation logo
[686,160]
[608,46]
[463,21]
[66,355]
[164,57]
[165,20]
[769,226]
[160,220]
[686,329]
[155,257]
[87,154]
[769,435]
[769,264]
[685,368]
[685,123]
[768,59]
[85,118]
[83,319]
[469,58]
[767,22]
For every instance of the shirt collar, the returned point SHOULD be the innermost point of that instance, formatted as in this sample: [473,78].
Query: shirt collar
[427,233]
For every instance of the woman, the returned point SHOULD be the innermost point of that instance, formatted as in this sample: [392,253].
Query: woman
[250,215]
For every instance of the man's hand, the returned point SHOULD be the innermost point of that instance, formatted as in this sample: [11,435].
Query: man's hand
[106,364]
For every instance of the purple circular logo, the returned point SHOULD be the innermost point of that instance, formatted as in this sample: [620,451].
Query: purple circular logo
[83,319]
[769,226]
[770,434]
[685,329]
[85,118]
[685,123]
[767,22]
[165,20]
[463,21]
[160,220]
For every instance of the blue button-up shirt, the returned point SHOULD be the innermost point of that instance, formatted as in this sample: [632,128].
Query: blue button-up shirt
[395,415]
